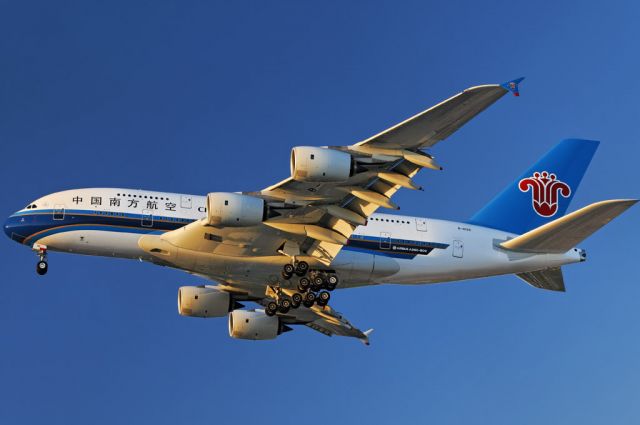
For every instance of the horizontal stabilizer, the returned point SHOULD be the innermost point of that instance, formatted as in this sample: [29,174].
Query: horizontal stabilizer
[550,279]
[564,233]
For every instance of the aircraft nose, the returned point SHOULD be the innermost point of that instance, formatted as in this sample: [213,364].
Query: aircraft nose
[7,227]
[12,228]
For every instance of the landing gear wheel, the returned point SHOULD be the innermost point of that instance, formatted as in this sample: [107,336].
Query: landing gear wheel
[271,309]
[303,284]
[317,283]
[287,271]
[284,306]
[302,268]
[332,282]
[296,300]
[309,299]
[42,267]
[324,297]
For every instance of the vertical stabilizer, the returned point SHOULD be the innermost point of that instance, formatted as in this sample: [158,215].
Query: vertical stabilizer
[543,192]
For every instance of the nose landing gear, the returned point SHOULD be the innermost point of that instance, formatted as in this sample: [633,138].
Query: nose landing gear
[42,266]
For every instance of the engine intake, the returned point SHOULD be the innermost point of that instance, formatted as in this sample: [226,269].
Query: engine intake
[234,210]
[198,301]
[313,164]
[255,325]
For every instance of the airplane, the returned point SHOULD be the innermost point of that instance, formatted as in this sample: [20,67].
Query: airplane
[288,246]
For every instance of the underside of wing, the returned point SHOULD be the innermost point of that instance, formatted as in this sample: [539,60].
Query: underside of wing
[372,171]
[323,319]
[254,243]
[217,301]
[331,191]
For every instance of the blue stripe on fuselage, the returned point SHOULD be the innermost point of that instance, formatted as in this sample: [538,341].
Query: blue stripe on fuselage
[390,247]
[25,226]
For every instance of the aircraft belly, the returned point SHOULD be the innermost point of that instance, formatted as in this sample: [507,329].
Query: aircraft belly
[353,268]
[96,242]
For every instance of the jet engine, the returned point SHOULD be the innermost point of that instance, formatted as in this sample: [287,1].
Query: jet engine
[255,325]
[312,164]
[203,301]
[234,210]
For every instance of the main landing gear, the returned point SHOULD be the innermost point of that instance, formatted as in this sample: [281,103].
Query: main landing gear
[314,287]
[300,269]
[42,266]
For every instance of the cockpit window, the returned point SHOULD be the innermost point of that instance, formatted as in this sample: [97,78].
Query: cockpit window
[32,206]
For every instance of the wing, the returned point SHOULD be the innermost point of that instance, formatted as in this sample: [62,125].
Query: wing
[438,122]
[386,162]
[314,219]
[325,320]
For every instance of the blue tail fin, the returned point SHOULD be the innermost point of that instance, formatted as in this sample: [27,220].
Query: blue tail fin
[543,192]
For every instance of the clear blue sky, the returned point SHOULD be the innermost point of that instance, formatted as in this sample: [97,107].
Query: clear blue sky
[197,97]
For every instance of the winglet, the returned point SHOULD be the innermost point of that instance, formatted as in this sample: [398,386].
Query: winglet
[512,86]
[365,338]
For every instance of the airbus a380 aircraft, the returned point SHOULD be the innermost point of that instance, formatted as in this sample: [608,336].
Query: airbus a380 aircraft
[288,246]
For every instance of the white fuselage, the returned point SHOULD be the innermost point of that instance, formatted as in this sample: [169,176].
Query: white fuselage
[388,249]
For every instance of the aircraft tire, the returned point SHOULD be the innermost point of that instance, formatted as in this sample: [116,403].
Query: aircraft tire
[284,306]
[302,268]
[42,267]
[288,269]
[303,284]
[296,300]
[271,308]
[324,297]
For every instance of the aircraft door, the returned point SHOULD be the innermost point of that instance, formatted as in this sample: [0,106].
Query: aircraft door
[58,212]
[185,201]
[458,249]
[385,240]
[147,218]
[421,224]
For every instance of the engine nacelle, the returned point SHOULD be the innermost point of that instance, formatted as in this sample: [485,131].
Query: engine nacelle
[251,324]
[234,210]
[313,164]
[197,301]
